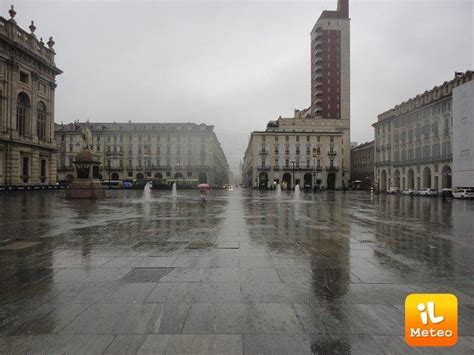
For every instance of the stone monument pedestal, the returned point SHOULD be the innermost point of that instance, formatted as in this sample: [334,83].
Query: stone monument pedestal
[86,189]
[85,185]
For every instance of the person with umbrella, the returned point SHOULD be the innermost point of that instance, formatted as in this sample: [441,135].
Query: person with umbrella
[204,188]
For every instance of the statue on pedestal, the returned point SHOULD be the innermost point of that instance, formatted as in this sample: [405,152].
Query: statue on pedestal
[84,185]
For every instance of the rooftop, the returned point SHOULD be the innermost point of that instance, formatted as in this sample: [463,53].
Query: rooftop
[13,34]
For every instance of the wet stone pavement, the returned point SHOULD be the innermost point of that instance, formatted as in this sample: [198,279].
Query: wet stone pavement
[246,274]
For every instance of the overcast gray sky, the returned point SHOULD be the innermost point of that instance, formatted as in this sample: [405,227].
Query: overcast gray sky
[238,64]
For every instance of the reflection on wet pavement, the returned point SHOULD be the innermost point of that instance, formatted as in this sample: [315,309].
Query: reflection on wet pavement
[247,273]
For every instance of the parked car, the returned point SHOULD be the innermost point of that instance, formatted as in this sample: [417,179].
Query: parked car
[428,192]
[446,192]
[393,190]
[463,193]
[410,192]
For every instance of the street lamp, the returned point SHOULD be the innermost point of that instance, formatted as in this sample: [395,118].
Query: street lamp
[145,156]
[314,166]
[109,166]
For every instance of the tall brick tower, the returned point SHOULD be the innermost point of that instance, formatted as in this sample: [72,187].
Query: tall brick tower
[330,64]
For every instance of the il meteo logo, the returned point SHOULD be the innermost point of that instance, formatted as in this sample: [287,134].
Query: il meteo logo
[431,319]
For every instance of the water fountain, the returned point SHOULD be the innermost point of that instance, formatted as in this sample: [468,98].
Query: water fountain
[297,193]
[175,192]
[278,191]
[86,185]
[147,193]
[297,202]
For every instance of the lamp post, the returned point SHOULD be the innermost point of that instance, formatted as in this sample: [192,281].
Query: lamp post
[315,154]
[109,167]
[145,156]
[293,162]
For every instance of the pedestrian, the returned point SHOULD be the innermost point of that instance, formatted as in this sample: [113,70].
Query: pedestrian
[203,197]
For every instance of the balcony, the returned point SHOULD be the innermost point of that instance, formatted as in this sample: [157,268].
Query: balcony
[318,101]
[263,152]
[332,168]
[318,51]
[318,92]
[318,76]
[276,167]
[263,168]
[332,153]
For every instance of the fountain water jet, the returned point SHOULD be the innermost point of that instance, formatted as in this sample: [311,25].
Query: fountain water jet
[297,193]
[147,193]
[175,192]
[278,191]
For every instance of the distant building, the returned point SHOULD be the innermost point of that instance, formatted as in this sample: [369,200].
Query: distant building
[146,151]
[295,152]
[413,140]
[354,144]
[27,87]
[463,135]
[362,165]
[234,147]
[313,146]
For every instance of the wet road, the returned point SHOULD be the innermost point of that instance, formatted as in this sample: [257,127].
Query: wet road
[248,273]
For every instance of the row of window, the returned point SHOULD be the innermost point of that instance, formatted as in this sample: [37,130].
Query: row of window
[297,163]
[23,116]
[25,169]
[145,163]
[297,138]
[427,151]
[25,79]
[316,151]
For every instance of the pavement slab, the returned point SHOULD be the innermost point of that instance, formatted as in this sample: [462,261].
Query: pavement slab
[249,273]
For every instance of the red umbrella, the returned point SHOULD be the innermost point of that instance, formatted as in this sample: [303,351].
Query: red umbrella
[203,186]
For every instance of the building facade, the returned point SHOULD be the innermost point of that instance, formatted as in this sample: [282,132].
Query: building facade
[313,146]
[413,140]
[27,88]
[463,135]
[292,151]
[362,165]
[139,151]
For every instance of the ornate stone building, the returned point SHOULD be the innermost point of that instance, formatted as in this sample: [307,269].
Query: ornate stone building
[146,151]
[362,164]
[27,87]
[290,148]
[293,151]
[413,140]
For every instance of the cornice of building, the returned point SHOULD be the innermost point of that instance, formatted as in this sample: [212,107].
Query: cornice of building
[366,145]
[18,38]
[130,127]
